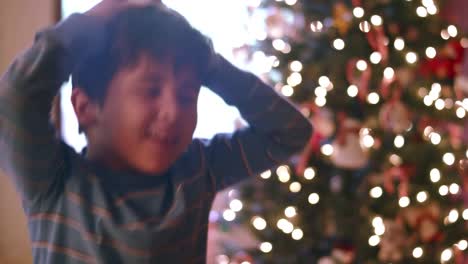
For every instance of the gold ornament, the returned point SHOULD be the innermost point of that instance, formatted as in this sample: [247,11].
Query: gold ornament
[342,17]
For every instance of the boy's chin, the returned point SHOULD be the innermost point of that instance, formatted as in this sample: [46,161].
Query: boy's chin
[152,162]
[153,170]
[153,167]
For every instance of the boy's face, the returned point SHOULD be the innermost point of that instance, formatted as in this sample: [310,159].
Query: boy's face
[149,115]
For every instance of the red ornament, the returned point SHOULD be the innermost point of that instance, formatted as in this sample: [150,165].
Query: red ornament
[403,174]
[360,80]
[427,225]
[425,222]
[344,252]
[457,135]
[447,64]
[376,38]
[356,3]
[242,257]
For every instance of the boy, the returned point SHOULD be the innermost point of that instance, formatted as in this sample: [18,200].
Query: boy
[142,190]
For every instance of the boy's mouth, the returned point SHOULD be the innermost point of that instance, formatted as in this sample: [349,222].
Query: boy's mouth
[160,137]
[163,140]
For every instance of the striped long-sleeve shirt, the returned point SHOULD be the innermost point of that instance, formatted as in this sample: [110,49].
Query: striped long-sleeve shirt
[82,212]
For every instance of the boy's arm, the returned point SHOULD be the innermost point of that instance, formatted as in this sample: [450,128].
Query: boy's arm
[29,150]
[277,129]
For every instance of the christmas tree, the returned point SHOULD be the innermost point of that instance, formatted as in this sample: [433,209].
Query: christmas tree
[384,177]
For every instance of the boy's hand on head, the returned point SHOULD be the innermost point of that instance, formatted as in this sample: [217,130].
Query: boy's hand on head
[106,9]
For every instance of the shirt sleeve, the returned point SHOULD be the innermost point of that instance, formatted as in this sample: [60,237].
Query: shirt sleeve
[30,152]
[276,131]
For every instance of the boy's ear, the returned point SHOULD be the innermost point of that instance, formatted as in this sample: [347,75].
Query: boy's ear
[86,109]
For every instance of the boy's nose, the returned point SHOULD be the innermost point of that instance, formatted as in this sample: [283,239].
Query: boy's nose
[169,110]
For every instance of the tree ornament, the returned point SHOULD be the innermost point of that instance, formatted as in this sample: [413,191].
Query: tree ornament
[461,87]
[447,64]
[457,135]
[459,256]
[455,51]
[393,241]
[405,76]
[342,17]
[412,34]
[242,257]
[344,253]
[393,29]
[356,3]
[359,78]
[424,221]
[326,260]
[402,173]
[377,39]
[394,115]
[347,150]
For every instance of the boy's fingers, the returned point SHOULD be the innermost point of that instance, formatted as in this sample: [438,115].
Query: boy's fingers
[143,2]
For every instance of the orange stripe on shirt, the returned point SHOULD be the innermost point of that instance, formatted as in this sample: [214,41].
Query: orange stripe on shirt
[66,251]
[94,209]
[59,219]
[142,224]
[119,201]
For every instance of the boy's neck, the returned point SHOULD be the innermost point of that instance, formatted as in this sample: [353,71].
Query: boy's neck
[96,155]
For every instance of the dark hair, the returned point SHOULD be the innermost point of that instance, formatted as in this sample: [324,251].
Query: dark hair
[159,32]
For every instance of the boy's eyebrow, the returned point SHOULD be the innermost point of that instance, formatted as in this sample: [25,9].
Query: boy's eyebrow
[153,78]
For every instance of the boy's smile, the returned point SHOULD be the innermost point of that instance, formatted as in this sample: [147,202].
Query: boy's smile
[147,118]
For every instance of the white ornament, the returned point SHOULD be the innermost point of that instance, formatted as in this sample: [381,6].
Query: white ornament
[394,116]
[349,155]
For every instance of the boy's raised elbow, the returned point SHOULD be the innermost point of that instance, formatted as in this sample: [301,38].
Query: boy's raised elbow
[295,137]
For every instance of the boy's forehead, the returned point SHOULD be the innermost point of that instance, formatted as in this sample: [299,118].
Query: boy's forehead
[149,70]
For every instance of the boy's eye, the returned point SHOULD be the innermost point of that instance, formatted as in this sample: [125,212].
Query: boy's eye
[153,92]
